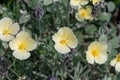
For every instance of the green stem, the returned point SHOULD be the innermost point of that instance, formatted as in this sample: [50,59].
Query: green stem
[68,13]
[39,28]
[14,72]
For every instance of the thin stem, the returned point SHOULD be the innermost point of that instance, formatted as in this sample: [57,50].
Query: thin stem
[14,72]
[39,27]
[68,13]
[8,76]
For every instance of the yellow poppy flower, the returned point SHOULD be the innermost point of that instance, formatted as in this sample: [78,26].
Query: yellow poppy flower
[8,29]
[64,40]
[84,14]
[97,52]
[22,44]
[116,63]
[77,3]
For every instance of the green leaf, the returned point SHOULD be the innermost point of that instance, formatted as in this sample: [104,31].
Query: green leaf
[109,47]
[24,19]
[91,29]
[103,38]
[47,2]
[111,6]
[105,17]
[34,3]
[79,36]
[57,21]
[115,42]
[5,45]
[1,11]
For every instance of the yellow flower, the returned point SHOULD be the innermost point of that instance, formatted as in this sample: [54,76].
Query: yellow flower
[8,29]
[64,40]
[84,14]
[95,2]
[97,52]
[77,3]
[116,63]
[22,44]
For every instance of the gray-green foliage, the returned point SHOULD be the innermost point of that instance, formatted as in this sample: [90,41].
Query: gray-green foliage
[45,61]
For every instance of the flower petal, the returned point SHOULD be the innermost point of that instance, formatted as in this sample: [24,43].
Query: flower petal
[31,45]
[101,59]
[74,4]
[14,43]
[117,67]
[56,37]
[79,18]
[72,41]
[23,34]
[113,62]
[62,48]
[6,37]
[5,22]
[14,28]
[100,46]
[89,58]
[22,55]
[84,2]
[65,31]
[94,2]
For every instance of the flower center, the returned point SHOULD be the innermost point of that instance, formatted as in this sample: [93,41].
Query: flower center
[84,14]
[63,42]
[22,47]
[118,58]
[5,32]
[95,53]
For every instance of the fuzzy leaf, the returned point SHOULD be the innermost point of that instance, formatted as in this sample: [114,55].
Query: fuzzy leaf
[47,2]
[111,6]
[103,38]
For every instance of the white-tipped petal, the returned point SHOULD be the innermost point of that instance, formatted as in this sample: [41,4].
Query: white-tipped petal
[14,43]
[31,45]
[5,22]
[101,59]
[23,34]
[21,55]
[79,18]
[63,49]
[56,37]
[14,28]
[90,58]
[84,2]
[117,67]
[75,4]
[72,42]
[113,62]
[65,31]
[6,37]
